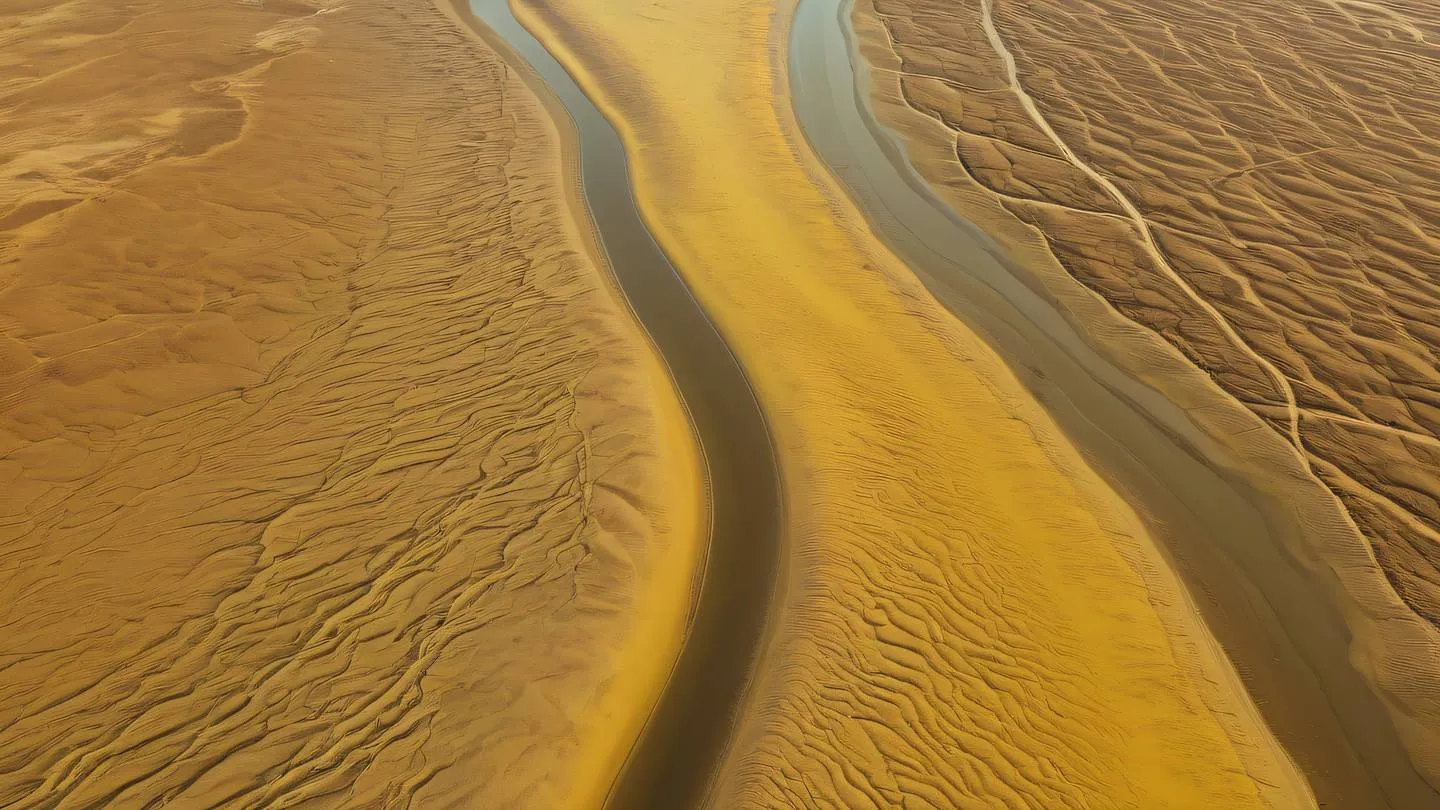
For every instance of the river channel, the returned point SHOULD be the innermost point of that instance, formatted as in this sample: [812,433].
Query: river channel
[688,729]
[1274,617]
[1227,538]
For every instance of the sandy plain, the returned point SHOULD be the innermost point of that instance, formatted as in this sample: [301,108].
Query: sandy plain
[333,471]
[970,618]
[1254,183]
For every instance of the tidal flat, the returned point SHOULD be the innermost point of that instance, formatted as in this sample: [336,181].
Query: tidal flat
[638,404]
[333,470]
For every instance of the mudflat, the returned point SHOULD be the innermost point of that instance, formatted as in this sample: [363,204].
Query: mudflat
[1255,184]
[333,470]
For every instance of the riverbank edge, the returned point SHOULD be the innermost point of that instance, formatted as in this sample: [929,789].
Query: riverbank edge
[1269,764]
[1174,617]
[1388,639]
[621,713]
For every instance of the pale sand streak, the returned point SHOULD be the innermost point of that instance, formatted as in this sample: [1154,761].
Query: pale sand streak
[1294,412]
[987,21]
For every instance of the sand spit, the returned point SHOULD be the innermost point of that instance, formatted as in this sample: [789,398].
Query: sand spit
[1255,184]
[332,470]
[971,618]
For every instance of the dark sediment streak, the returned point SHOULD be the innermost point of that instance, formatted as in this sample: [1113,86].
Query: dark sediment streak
[1273,615]
[674,761]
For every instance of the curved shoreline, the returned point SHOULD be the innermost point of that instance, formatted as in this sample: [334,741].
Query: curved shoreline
[1013,316]
[1231,541]
[673,761]
[865,391]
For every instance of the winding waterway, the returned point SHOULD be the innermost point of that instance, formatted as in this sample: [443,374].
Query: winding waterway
[687,730]
[1274,617]
[1228,538]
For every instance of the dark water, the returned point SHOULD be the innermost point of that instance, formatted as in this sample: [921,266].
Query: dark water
[1227,539]
[687,731]
[1273,617]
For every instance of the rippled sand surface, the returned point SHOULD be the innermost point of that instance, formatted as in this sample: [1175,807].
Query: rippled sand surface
[1256,183]
[332,471]
[1269,170]
[970,618]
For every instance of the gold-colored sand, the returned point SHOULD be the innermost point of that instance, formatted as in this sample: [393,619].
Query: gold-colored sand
[970,618]
[1279,161]
[331,470]
[1255,183]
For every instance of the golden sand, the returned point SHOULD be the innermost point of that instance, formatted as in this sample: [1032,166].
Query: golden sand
[332,471]
[1274,193]
[1255,184]
[970,617]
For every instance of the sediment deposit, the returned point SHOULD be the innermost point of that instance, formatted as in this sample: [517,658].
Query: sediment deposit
[1254,183]
[332,469]
[969,616]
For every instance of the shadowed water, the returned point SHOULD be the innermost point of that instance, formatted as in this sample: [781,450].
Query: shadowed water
[686,734]
[1274,618]
[1229,540]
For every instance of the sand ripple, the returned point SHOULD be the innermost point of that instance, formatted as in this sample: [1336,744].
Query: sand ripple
[1255,183]
[331,468]
[970,618]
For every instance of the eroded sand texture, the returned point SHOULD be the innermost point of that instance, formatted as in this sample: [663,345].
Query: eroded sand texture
[1256,185]
[970,618]
[331,471]
[1255,181]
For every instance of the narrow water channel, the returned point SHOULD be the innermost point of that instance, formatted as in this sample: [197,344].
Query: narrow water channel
[1227,538]
[672,765]
[1275,620]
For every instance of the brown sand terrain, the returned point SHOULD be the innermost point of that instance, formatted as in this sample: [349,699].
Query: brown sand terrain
[332,470]
[970,617]
[1257,183]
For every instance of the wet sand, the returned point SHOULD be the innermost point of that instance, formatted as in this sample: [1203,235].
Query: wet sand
[970,615]
[360,445]
[1355,703]
[333,469]
[689,722]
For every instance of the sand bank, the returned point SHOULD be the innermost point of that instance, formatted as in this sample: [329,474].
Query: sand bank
[1179,171]
[970,615]
[332,468]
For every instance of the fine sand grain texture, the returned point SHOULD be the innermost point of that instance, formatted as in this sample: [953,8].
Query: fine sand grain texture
[333,472]
[1257,184]
[969,618]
